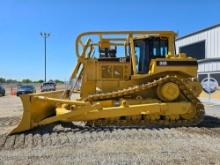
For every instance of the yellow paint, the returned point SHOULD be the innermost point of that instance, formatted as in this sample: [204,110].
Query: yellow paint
[168,91]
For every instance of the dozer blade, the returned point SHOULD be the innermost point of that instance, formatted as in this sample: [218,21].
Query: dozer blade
[35,110]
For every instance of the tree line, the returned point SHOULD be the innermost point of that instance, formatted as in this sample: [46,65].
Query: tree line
[3,80]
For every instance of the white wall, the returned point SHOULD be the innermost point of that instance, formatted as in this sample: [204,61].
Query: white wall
[212,44]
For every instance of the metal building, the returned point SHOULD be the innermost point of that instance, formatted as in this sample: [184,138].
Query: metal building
[205,46]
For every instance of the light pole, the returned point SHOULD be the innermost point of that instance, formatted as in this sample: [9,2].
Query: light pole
[45,36]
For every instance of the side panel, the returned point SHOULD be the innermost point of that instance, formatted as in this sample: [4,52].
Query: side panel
[186,66]
[104,76]
[110,75]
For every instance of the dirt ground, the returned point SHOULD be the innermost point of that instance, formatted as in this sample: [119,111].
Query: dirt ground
[77,144]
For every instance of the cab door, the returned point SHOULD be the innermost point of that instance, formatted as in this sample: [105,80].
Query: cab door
[146,49]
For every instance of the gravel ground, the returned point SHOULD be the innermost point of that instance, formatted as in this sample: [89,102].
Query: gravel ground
[73,143]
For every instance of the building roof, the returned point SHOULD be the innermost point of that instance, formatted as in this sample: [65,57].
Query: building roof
[200,31]
[208,60]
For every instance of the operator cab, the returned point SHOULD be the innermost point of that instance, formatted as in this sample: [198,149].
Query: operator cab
[147,49]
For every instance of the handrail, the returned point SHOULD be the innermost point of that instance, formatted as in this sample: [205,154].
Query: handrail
[129,33]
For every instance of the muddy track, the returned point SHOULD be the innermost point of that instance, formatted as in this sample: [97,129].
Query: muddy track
[59,134]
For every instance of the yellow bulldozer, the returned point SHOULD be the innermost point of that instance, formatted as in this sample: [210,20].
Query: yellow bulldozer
[127,78]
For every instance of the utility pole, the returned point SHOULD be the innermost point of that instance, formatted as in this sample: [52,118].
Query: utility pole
[45,36]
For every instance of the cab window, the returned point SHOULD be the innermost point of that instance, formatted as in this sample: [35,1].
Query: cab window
[148,48]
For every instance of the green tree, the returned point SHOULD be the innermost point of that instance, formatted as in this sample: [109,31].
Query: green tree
[11,81]
[40,81]
[2,80]
[26,81]
[59,81]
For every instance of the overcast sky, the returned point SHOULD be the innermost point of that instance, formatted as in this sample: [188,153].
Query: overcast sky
[21,21]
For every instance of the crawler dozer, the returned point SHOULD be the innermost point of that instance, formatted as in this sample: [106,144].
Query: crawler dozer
[127,78]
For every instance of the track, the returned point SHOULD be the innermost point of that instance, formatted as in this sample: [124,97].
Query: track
[156,80]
